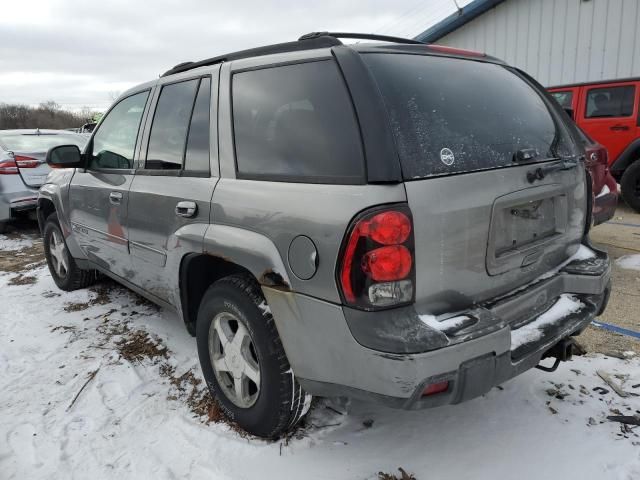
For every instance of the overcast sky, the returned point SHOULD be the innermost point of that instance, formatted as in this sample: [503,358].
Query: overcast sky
[79,53]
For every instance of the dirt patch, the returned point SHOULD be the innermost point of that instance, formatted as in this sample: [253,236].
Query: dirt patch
[402,476]
[21,279]
[102,298]
[23,260]
[138,345]
[189,389]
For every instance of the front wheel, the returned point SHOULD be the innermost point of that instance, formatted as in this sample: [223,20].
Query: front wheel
[63,268]
[243,360]
[630,185]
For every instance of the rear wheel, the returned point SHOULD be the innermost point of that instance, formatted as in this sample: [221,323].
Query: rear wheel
[630,185]
[243,360]
[63,268]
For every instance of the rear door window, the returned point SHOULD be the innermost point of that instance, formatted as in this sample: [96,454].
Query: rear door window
[296,123]
[452,115]
[197,154]
[170,124]
[610,102]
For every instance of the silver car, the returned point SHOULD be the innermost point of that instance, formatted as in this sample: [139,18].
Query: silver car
[23,168]
[403,223]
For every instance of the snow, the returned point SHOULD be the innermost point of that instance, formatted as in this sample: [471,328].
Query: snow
[605,190]
[631,262]
[532,331]
[15,242]
[443,325]
[130,421]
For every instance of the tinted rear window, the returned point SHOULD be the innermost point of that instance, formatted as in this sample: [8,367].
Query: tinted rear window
[451,115]
[296,123]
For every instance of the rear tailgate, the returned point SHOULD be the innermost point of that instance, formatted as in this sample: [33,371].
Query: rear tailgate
[32,167]
[471,136]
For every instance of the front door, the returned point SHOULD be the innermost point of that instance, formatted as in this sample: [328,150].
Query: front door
[170,197]
[99,194]
[608,113]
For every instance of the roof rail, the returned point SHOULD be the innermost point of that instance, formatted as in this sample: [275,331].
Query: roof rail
[361,36]
[320,41]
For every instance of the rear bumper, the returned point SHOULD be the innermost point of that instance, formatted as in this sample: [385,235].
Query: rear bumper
[13,202]
[329,361]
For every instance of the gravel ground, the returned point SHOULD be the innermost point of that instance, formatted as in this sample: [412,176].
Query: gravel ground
[624,305]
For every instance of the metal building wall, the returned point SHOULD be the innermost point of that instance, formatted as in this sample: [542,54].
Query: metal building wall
[559,41]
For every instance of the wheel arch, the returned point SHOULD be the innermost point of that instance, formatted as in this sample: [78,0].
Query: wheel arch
[228,250]
[626,158]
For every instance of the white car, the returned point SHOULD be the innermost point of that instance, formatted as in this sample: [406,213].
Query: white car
[23,168]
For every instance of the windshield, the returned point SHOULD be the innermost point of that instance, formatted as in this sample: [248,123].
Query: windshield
[452,115]
[31,142]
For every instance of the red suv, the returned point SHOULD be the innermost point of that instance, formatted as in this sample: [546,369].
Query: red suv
[608,112]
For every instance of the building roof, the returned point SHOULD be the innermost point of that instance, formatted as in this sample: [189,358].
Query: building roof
[456,20]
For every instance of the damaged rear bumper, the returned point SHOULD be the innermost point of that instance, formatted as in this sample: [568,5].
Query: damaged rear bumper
[331,356]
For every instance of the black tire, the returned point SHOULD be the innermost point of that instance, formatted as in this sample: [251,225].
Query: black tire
[73,277]
[3,227]
[630,185]
[280,401]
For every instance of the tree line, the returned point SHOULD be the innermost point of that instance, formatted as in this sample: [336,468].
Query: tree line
[46,115]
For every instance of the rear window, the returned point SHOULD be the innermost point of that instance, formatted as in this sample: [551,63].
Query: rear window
[452,115]
[32,142]
[296,123]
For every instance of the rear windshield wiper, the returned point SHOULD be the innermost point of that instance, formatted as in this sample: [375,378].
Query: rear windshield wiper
[541,172]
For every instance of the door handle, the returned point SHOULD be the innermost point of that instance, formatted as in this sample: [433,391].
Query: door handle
[186,209]
[619,127]
[115,198]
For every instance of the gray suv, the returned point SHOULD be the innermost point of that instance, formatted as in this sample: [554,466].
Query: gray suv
[399,222]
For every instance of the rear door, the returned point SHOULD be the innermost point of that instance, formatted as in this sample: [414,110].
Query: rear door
[608,113]
[170,197]
[99,194]
[469,135]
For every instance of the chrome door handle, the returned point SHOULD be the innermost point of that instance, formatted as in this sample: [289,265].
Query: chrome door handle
[186,209]
[115,198]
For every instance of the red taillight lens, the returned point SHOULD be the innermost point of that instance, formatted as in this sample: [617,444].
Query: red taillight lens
[26,162]
[377,262]
[8,167]
[390,228]
[387,263]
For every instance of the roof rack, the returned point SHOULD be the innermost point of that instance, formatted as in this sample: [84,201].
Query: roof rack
[361,36]
[305,42]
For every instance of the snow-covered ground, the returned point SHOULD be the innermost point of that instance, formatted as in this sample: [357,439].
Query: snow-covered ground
[630,262]
[99,384]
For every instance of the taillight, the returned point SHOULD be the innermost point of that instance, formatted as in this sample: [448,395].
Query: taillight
[377,268]
[8,167]
[26,162]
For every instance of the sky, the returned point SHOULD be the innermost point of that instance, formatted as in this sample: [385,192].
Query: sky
[84,53]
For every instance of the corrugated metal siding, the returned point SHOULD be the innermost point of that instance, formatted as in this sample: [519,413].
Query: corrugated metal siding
[559,41]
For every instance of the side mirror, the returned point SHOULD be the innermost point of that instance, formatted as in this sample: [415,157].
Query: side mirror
[64,156]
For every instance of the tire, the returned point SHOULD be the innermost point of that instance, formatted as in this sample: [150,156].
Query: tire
[630,185]
[65,272]
[275,403]
[4,227]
